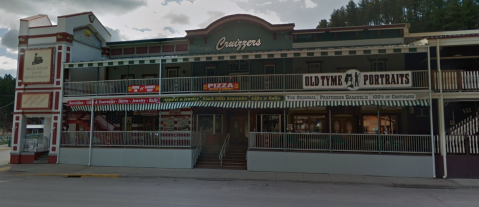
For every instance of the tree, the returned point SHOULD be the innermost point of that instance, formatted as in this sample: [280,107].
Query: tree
[323,24]
[352,17]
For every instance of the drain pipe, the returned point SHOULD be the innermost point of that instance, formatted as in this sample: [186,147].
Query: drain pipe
[441,111]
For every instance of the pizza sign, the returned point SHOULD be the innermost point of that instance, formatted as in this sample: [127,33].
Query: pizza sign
[144,89]
[220,86]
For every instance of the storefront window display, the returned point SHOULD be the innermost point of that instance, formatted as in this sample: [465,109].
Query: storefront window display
[389,124]
[309,124]
[270,123]
[210,123]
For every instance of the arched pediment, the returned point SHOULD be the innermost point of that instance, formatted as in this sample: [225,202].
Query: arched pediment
[240,18]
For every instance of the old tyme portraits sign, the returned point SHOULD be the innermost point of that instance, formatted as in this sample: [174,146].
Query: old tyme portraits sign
[38,66]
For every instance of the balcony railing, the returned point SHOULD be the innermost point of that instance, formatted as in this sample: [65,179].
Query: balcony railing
[388,143]
[456,80]
[181,139]
[276,82]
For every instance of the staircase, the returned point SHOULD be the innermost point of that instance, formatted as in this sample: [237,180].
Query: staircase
[469,126]
[42,159]
[235,157]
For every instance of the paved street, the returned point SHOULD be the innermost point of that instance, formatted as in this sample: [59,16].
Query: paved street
[54,191]
[4,154]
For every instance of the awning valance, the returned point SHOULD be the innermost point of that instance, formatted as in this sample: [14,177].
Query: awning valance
[250,105]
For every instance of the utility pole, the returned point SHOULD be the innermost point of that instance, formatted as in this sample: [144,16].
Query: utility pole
[4,122]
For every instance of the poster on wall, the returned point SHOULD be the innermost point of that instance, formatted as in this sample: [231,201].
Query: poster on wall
[220,86]
[168,123]
[38,66]
[183,123]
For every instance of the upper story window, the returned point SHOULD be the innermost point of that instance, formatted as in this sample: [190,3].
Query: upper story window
[378,64]
[210,71]
[238,66]
[172,72]
[269,68]
[315,67]
[149,76]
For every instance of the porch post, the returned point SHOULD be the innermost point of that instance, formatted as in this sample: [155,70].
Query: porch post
[159,139]
[98,79]
[379,130]
[191,77]
[330,138]
[159,78]
[127,77]
[284,78]
[442,131]
[431,124]
[126,127]
[91,131]
[284,129]
[249,126]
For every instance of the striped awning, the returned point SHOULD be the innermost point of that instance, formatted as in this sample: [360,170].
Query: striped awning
[249,105]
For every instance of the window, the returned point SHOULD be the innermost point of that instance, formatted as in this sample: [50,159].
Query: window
[172,72]
[210,71]
[389,124]
[130,76]
[381,65]
[238,66]
[315,67]
[149,76]
[269,69]
[209,123]
[269,123]
[309,124]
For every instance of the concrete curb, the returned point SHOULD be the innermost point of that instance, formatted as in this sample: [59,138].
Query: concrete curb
[75,175]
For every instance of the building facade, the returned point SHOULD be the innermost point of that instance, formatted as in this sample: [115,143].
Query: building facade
[243,93]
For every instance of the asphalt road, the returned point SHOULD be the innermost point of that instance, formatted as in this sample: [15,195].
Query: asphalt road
[20,190]
[4,154]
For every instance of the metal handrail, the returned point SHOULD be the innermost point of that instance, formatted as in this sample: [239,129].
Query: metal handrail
[199,147]
[223,148]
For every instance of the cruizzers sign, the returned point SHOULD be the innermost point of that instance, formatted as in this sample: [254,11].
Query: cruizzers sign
[38,66]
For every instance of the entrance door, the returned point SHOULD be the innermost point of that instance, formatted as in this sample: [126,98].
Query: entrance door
[238,128]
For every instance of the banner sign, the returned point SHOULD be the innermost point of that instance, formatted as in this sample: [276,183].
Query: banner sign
[352,97]
[144,89]
[35,101]
[38,66]
[354,80]
[221,98]
[220,86]
[114,101]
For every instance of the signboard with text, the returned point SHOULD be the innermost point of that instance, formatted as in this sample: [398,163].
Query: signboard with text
[38,66]
[144,89]
[352,97]
[355,80]
[114,101]
[220,86]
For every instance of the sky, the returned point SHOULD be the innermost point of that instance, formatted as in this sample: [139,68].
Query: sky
[147,19]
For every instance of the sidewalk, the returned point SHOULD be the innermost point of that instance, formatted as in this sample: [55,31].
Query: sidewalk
[219,174]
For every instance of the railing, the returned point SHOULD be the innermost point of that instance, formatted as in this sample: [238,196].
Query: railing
[390,143]
[456,80]
[460,144]
[36,143]
[470,125]
[130,139]
[75,138]
[5,139]
[274,82]
[223,149]
[199,148]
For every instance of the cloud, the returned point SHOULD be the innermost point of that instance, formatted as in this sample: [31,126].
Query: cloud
[178,18]
[304,13]
[3,31]
[116,35]
[177,1]
[8,66]
[10,39]
[213,16]
[142,30]
[310,4]
[170,29]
